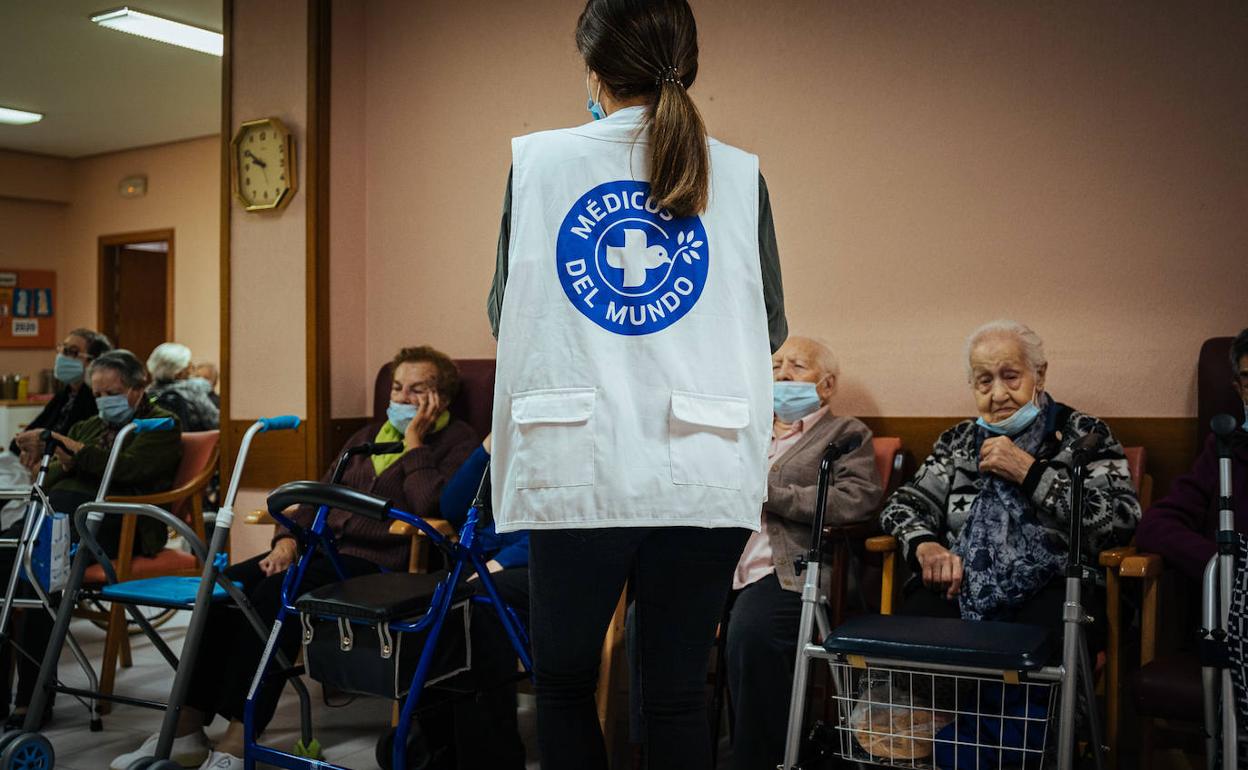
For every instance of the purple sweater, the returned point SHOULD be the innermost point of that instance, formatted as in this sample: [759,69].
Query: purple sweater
[1181,526]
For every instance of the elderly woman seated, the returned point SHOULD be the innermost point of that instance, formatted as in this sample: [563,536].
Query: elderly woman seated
[173,388]
[146,464]
[984,522]
[73,402]
[434,446]
[1181,526]
[762,627]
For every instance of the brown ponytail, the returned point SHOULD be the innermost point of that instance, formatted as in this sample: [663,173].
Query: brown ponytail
[650,48]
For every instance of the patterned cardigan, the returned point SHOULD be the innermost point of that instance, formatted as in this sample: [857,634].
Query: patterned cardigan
[934,505]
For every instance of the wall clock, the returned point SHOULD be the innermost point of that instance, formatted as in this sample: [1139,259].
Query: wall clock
[263,153]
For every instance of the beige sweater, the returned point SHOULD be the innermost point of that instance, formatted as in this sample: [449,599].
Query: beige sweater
[854,495]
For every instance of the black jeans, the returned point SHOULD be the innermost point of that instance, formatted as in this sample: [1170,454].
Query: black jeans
[230,648]
[680,580]
[762,648]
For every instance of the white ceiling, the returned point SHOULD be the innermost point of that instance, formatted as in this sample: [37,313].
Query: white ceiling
[102,90]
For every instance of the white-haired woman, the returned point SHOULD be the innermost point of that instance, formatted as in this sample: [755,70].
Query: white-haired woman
[984,522]
[173,388]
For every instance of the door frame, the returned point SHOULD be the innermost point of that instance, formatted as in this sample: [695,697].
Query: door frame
[102,272]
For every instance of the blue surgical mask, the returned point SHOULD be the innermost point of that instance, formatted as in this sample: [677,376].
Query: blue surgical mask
[1245,426]
[68,370]
[794,400]
[400,415]
[594,106]
[114,410]
[1016,423]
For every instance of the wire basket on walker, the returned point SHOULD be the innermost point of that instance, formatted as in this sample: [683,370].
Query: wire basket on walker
[946,693]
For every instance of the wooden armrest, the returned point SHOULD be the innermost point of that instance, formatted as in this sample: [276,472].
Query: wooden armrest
[882,544]
[259,516]
[158,498]
[1143,565]
[403,529]
[1112,557]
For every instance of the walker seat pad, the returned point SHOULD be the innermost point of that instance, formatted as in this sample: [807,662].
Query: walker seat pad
[168,591]
[378,598]
[947,641]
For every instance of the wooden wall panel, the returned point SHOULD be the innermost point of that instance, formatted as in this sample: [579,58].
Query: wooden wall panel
[274,459]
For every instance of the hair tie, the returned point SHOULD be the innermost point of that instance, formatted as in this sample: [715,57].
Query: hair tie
[668,75]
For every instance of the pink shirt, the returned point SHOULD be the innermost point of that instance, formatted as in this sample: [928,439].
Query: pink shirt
[756,563]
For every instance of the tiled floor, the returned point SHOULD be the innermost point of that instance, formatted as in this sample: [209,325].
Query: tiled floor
[347,734]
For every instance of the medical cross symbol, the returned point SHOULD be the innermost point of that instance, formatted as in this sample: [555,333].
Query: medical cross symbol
[635,258]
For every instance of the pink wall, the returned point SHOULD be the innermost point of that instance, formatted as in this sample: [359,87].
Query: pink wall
[183,185]
[268,250]
[1081,167]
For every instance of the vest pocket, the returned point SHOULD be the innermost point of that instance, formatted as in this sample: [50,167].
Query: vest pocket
[556,442]
[705,433]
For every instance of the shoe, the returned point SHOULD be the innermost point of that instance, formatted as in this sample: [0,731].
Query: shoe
[219,760]
[17,720]
[189,751]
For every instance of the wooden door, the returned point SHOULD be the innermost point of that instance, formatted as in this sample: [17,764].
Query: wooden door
[135,291]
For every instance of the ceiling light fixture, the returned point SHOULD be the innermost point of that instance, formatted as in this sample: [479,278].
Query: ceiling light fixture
[18,117]
[161,29]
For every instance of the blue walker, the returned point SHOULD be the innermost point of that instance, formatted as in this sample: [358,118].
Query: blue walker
[353,631]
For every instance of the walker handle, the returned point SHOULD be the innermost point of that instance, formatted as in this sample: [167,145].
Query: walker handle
[284,422]
[330,495]
[1223,425]
[153,424]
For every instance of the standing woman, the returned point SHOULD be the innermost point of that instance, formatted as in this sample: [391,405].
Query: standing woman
[633,398]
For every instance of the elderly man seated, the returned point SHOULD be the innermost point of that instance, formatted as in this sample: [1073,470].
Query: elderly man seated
[762,630]
[984,522]
[1181,526]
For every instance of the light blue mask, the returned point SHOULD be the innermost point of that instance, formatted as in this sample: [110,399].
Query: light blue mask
[794,400]
[400,415]
[114,410]
[1015,424]
[1245,425]
[68,370]
[591,104]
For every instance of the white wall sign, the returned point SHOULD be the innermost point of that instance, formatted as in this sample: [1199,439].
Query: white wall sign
[25,327]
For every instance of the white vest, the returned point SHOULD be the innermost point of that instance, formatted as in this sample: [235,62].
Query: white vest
[634,377]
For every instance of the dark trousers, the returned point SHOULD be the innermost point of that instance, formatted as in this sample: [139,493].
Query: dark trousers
[230,649]
[680,580]
[761,652]
[482,726]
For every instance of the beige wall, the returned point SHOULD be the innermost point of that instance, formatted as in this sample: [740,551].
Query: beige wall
[1082,167]
[268,250]
[183,185]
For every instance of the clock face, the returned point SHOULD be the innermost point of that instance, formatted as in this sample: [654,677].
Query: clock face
[264,177]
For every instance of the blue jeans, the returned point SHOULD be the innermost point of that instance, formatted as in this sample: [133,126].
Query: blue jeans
[679,578]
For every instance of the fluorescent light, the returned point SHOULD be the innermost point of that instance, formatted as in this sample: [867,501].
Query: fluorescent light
[164,30]
[18,117]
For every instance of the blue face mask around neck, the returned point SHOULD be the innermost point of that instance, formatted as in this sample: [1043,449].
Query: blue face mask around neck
[1016,423]
[792,401]
[114,410]
[68,371]
[594,106]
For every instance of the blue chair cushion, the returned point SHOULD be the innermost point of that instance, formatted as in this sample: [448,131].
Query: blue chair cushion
[948,641]
[160,591]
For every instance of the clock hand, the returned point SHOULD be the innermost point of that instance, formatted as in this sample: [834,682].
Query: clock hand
[254,159]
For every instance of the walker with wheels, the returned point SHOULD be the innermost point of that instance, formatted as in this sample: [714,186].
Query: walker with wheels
[356,633]
[1224,622]
[946,693]
[27,748]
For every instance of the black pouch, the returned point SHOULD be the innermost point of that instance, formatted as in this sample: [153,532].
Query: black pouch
[371,659]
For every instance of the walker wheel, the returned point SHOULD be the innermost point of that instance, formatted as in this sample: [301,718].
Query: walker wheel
[164,764]
[8,737]
[417,753]
[142,763]
[29,751]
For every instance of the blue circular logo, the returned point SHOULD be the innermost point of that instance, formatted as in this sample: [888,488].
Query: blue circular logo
[628,265]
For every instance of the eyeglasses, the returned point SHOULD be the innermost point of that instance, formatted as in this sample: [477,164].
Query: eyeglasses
[420,388]
[69,350]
